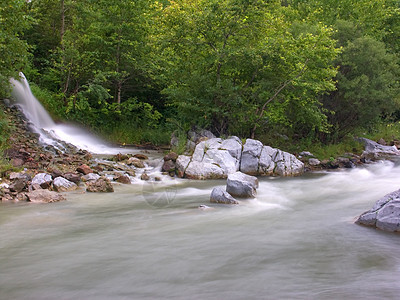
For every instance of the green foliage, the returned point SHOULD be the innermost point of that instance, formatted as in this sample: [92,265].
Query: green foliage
[5,130]
[367,86]
[13,50]
[235,66]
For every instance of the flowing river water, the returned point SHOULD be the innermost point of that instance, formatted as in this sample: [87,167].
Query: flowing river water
[296,240]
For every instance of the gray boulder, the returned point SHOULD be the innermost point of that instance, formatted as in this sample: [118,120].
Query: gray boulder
[287,164]
[251,156]
[241,185]
[385,214]
[211,161]
[61,184]
[44,180]
[202,170]
[182,162]
[373,149]
[44,196]
[218,195]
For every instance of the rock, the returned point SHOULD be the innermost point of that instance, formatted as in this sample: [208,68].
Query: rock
[250,156]
[44,180]
[205,207]
[374,149]
[120,157]
[55,173]
[200,170]
[44,196]
[287,164]
[181,164]
[101,185]
[18,185]
[136,162]
[168,166]
[141,156]
[314,162]
[156,178]
[17,162]
[267,159]
[385,214]
[122,179]
[84,169]
[234,146]
[306,154]
[171,156]
[90,177]
[19,175]
[61,184]
[382,142]
[211,161]
[242,185]
[145,177]
[198,134]
[74,177]
[218,195]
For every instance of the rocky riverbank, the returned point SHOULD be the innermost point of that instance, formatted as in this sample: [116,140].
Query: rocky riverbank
[40,173]
[38,167]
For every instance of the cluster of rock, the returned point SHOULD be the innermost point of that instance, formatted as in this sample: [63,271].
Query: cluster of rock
[238,185]
[38,185]
[216,158]
[385,214]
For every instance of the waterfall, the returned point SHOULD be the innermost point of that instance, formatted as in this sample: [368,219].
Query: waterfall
[52,134]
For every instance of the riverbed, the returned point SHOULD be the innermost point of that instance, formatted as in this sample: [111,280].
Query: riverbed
[296,240]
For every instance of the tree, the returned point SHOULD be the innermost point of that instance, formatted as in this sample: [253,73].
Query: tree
[13,50]
[367,87]
[236,66]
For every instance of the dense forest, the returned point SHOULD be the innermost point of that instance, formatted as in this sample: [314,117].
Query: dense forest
[309,72]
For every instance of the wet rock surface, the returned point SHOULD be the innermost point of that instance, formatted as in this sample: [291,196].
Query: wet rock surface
[384,215]
[218,195]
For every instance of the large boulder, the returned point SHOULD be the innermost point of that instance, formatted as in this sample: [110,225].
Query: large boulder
[211,161]
[242,185]
[251,156]
[287,164]
[385,214]
[61,184]
[44,196]
[374,150]
[218,195]
[101,185]
[217,158]
[182,162]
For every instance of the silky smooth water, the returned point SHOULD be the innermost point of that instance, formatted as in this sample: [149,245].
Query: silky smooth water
[51,133]
[296,240]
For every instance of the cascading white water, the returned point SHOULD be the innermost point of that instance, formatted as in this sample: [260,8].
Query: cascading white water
[50,132]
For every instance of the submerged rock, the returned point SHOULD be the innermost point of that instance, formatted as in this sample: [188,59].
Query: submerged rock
[122,179]
[218,195]
[242,185]
[385,214]
[101,185]
[44,196]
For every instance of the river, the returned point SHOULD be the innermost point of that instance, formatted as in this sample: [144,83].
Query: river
[296,240]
